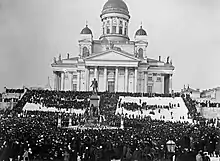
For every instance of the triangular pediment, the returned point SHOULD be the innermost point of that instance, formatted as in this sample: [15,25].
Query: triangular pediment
[112,55]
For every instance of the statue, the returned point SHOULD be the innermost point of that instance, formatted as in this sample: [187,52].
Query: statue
[94,85]
[111,45]
[168,58]
[54,60]
[60,57]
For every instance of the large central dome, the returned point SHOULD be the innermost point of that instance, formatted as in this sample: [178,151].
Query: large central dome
[116,6]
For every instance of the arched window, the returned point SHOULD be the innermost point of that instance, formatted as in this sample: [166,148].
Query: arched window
[85,52]
[140,53]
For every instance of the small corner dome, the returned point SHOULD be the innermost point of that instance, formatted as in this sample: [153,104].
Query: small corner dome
[141,32]
[86,30]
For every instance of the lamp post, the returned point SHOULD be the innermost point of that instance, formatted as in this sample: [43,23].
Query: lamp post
[171,149]
[122,119]
[59,120]
[70,120]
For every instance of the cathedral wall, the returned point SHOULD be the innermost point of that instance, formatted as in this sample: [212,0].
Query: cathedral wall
[82,81]
[157,88]
[141,82]
[101,81]
[121,80]
[131,81]
[97,48]
[67,82]
[129,48]
[91,78]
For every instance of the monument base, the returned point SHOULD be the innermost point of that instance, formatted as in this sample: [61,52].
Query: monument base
[94,100]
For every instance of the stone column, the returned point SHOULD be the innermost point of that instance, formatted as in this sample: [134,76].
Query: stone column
[110,25]
[55,81]
[116,79]
[145,82]
[105,78]
[162,83]
[170,83]
[135,80]
[123,28]
[118,24]
[96,73]
[87,79]
[126,79]
[71,81]
[62,81]
[78,80]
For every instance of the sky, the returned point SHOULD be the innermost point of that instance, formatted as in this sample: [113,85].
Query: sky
[33,32]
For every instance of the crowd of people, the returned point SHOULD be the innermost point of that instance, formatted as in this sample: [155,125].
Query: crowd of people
[37,135]
[7,90]
[132,106]
[209,104]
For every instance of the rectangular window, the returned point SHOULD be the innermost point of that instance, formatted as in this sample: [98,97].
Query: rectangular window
[149,89]
[74,77]
[125,33]
[158,79]
[103,31]
[101,72]
[120,30]
[121,72]
[114,29]
[74,87]
[108,30]
[91,71]
[150,79]
[121,23]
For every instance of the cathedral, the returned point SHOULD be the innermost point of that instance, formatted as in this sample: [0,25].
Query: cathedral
[116,62]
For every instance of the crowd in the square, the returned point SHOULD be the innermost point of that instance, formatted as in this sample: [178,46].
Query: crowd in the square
[35,134]
[209,104]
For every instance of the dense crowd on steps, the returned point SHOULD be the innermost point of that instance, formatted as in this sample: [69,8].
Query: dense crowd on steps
[141,139]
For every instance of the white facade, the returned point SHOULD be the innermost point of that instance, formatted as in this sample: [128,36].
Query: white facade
[118,64]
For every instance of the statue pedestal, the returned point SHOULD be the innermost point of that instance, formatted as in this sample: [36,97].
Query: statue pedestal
[92,120]
[94,100]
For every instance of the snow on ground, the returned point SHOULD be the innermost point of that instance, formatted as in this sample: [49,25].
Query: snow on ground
[177,111]
[38,107]
[209,112]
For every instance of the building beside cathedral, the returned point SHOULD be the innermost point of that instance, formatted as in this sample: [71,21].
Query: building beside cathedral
[118,63]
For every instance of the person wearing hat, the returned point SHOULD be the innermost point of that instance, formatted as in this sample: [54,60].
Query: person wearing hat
[199,156]
[206,157]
